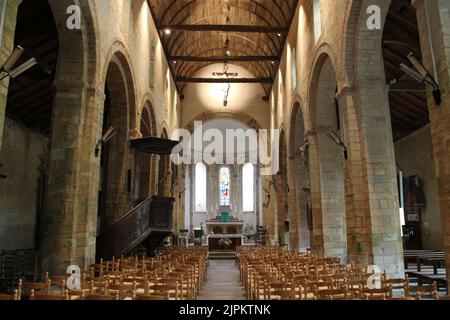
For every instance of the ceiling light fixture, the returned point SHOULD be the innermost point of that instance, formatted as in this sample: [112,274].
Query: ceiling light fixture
[422,75]
[168,32]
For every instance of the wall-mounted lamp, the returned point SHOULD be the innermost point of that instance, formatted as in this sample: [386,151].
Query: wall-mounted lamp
[422,75]
[337,139]
[7,67]
[108,135]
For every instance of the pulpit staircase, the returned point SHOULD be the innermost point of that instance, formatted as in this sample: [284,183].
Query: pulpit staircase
[147,224]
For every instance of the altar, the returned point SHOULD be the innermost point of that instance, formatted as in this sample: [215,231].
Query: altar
[224,234]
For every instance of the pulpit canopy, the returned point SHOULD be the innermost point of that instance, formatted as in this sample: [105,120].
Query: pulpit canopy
[154,145]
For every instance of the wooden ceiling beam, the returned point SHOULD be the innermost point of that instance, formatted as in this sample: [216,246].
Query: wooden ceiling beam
[407,86]
[225,80]
[225,28]
[225,58]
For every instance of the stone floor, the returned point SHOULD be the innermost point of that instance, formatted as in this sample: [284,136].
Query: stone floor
[222,282]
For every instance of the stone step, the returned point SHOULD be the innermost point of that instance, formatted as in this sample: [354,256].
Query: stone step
[222,255]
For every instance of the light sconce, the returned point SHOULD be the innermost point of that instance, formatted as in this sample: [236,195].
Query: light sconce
[9,64]
[422,75]
[337,139]
[108,135]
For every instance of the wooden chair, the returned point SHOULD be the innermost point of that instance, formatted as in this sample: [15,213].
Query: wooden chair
[124,291]
[385,293]
[169,291]
[48,297]
[7,297]
[397,284]
[332,294]
[150,298]
[423,292]
[101,297]
[26,288]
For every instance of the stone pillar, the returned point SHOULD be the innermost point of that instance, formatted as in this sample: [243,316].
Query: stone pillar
[379,170]
[332,197]
[293,206]
[317,241]
[6,48]
[70,222]
[359,242]
[438,27]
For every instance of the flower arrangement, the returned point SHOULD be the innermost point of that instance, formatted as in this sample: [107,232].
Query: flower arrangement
[225,243]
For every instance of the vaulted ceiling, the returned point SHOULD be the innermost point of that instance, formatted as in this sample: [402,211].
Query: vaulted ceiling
[249,33]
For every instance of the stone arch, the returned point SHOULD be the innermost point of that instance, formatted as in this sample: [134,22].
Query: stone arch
[358,38]
[236,115]
[148,113]
[120,55]
[299,197]
[164,168]
[116,191]
[79,48]
[328,184]
[145,163]
[323,54]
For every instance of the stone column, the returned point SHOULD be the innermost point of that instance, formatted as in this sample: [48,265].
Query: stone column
[379,170]
[359,242]
[70,222]
[438,25]
[293,205]
[317,241]
[6,48]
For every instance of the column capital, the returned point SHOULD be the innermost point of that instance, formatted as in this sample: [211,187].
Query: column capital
[135,134]
[345,91]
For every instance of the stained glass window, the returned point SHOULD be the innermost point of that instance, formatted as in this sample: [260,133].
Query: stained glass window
[224,187]
[200,187]
[248,185]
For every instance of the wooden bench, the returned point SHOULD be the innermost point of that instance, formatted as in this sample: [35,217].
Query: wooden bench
[426,277]
[410,256]
[437,260]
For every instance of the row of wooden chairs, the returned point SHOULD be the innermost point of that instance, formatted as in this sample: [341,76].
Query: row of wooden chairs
[174,274]
[272,273]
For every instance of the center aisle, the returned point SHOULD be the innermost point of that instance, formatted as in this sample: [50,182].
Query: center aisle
[222,282]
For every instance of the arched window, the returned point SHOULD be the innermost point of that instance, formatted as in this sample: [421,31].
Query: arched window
[294,69]
[248,188]
[317,20]
[152,63]
[224,186]
[200,187]
[167,96]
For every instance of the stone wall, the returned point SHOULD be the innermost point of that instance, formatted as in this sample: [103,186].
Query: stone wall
[414,155]
[21,158]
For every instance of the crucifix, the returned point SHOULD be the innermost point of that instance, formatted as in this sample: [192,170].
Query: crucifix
[225,73]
